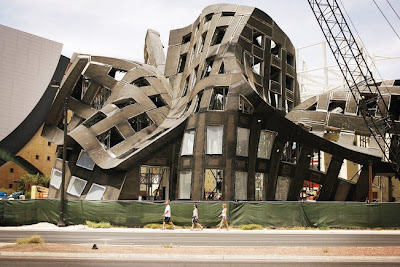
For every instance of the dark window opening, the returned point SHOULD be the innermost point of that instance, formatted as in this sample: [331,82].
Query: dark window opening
[77,92]
[101,97]
[11,170]
[157,100]
[99,116]
[258,39]
[185,88]
[290,152]
[228,14]
[289,83]
[60,124]
[48,158]
[37,157]
[290,59]
[275,74]
[218,98]
[140,82]
[208,67]
[367,104]
[396,83]
[218,35]
[186,38]
[124,102]
[222,68]
[199,96]
[288,106]
[48,143]
[202,41]
[140,122]
[208,17]
[394,109]
[256,65]
[312,107]
[60,153]
[192,54]
[274,99]
[10,186]
[245,106]
[117,73]
[336,106]
[275,49]
[110,138]
[182,62]
[194,77]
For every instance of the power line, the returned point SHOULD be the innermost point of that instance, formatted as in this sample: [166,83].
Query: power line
[386,19]
[393,9]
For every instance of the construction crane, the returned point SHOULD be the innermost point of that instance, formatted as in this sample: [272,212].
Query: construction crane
[359,79]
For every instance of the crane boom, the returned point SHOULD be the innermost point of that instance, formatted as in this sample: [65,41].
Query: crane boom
[359,78]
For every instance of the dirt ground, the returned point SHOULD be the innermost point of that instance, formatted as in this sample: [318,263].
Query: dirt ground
[170,249]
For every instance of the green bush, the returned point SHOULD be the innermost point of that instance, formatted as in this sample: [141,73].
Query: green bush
[251,227]
[98,225]
[35,239]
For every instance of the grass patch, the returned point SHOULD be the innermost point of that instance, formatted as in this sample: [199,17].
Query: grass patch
[154,226]
[325,250]
[323,227]
[98,225]
[35,239]
[251,227]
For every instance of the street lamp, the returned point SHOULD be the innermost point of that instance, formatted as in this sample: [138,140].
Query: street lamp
[61,222]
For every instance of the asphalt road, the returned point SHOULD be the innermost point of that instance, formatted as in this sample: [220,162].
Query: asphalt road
[212,238]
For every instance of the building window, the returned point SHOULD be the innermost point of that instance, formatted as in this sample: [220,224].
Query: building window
[258,39]
[218,98]
[214,139]
[101,97]
[199,97]
[202,41]
[290,59]
[85,161]
[117,74]
[11,170]
[192,54]
[194,77]
[256,65]
[337,106]
[10,186]
[188,143]
[48,143]
[207,67]
[218,35]
[245,106]
[288,105]
[157,101]
[96,192]
[140,122]
[228,14]
[182,62]
[48,158]
[110,138]
[240,185]
[275,49]
[56,177]
[185,184]
[242,145]
[222,68]
[208,17]
[96,118]
[265,144]
[140,82]
[274,99]
[275,74]
[185,88]
[76,186]
[152,179]
[124,103]
[259,177]
[37,157]
[186,38]
[289,83]
[213,181]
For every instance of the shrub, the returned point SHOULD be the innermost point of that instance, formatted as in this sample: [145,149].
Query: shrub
[35,239]
[251,227]
[98,225]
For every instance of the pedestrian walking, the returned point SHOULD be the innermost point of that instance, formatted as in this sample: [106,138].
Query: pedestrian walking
[224,217]
[195,217]
[167,216]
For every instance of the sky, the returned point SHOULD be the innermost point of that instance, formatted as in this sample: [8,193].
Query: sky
[118,28]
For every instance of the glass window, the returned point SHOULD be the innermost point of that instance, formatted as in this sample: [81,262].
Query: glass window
[245,106]
[188,142]
[207,67]
[85,161]
[56,177]
[218,98]
[185,184]
[76,186]
[275,49]
[214,139]
[96,192]
[218,35]
[213,179]
[242,145]
[265,144]
[282,188]
[240,185]
[153,179]
[182,62]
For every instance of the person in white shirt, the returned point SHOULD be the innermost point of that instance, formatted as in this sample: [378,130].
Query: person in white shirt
[195,217]
[224,217]
[167,216]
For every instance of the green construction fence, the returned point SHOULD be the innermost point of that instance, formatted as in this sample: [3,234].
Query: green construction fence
[270,214]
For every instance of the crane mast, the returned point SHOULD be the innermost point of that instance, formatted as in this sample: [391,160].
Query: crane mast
[363,87]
